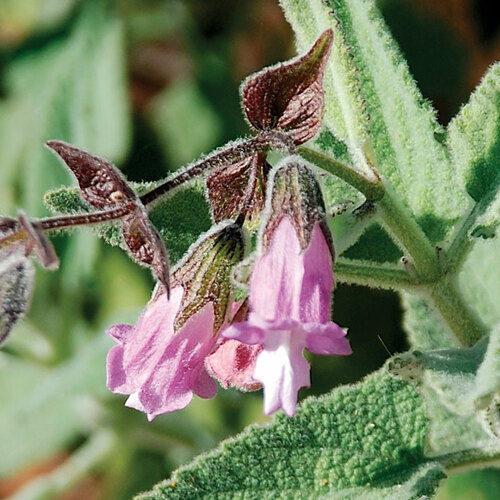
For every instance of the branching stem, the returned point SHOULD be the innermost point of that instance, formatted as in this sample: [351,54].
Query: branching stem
[431,279]
[65,221]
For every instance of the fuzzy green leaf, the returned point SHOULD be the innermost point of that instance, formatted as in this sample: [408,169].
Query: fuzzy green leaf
[73,89]
[180,219]
[424,328]
[474,138]
[374,245]
[448,431]
[373,104]
[466,379]
[358,441]
[479,280]
[474,142]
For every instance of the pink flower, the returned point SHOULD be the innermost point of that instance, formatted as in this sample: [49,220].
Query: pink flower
[290,300]
[158,368]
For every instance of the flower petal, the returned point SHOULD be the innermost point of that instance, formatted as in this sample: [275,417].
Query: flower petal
[326,338]
[119,332]
[276,282]
[116,378]
[317,281]
[205,386]
[246,332]
[172,381]
[282,370]
[233,364]
[131,366]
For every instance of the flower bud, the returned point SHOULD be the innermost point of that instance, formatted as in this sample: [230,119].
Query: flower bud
[16,279]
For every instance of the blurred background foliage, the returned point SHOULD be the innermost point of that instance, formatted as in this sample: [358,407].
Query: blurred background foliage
[152,84]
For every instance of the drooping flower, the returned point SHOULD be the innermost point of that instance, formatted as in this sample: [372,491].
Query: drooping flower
[18,239]
[159,363]
[290,294]
[158,368]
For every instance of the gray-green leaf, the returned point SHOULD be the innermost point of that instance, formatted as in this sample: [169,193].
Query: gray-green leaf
[359,441]
[466,379]
[367,77]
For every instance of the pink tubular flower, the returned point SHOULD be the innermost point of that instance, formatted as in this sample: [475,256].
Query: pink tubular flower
[160,361]
[290,300]
[161,370]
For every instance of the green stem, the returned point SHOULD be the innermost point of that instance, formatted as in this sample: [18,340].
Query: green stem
[373,190]
[461,241]
[430,277]
[461,320]
[395,216]
[373,275]
[403,227]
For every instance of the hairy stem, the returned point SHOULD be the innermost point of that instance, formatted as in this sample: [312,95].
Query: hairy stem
[473,458]
[429,278]
[230,153]
[461,241]
[373,275]
[64,221]
[373,190]
[404,229]
[450,305]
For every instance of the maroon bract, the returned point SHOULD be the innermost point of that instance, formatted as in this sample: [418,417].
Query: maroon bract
[104,187]
[232,187]
[36,241]
[289,97]
[146,245]
[101,184]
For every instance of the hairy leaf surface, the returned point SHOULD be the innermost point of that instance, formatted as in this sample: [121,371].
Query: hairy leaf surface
[358,441]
